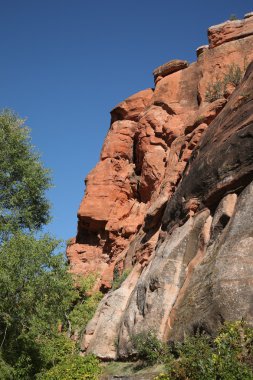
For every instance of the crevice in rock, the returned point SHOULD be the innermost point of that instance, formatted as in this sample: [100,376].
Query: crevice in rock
[165,107]
[84,236]
[137,168]
[223,221]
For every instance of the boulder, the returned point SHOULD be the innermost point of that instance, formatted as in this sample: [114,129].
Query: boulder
[131,107]
[169,68]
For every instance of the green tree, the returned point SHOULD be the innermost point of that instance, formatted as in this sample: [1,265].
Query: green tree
[23,179]
[37,293]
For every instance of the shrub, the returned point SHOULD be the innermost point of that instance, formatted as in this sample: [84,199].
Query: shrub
[233,75]
[118,278]
[227,357]
[233,355]
[85,303]
[216,90]
[149,348]
[6,372]
[233,17]
[55,348]
[162,376]
[35,293]
[74,367]
[83,311]
[195,360]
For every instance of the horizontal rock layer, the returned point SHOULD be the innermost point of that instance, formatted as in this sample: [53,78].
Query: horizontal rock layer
[169,68]
[230,30]
[170,200]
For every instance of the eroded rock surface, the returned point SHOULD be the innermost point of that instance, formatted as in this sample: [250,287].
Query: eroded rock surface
[230,30]
[226,289]
[169,68]
[171,200]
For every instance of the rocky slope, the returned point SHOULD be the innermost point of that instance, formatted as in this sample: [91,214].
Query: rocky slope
[171,201]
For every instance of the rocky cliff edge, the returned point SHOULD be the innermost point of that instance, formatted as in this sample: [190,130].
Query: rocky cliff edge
[171,201]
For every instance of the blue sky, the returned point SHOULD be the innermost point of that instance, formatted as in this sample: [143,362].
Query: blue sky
[66,63]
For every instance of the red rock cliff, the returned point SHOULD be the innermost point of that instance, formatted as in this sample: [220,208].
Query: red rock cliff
[170,185]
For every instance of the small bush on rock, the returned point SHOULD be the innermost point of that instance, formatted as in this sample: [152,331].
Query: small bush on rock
[233,17]
[216,90]
[233,75]
[118,278]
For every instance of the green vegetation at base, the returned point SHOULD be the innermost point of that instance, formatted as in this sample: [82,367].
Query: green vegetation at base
[228,356]
[38,297]
[150,350]
[74,368]
[130,368]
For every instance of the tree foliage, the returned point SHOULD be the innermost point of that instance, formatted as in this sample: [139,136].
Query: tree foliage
[85,303]
[37,294]
[40,310]
[23,179]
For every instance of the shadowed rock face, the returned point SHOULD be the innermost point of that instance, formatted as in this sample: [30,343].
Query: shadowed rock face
[223,161]
[225,291]
[171,199]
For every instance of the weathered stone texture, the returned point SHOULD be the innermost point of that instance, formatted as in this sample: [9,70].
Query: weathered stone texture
[171,199]
[229,31]
[169,68]
[226,289]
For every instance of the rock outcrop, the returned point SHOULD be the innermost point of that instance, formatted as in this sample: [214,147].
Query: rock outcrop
[169,68]
[171,201]
[229,31]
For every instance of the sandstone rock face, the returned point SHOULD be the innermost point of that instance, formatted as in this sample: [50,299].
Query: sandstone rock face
[112,307]
[229,31]
[169,68]
[171,200]
[159,285]
[212,175]
[130,108]
[226,290]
